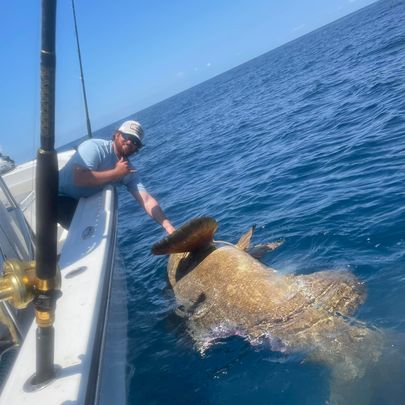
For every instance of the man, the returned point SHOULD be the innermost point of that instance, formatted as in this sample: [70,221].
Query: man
[98,162]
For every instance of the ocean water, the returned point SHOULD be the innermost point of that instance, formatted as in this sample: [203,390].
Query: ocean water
[307,142]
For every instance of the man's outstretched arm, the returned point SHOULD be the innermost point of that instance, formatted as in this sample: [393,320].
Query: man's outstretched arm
[153,209]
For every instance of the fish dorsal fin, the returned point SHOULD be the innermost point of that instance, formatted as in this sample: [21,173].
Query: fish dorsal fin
[244,241]
[194,235]
[258,251]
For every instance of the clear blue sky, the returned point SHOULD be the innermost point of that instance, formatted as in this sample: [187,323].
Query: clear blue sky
[135,53]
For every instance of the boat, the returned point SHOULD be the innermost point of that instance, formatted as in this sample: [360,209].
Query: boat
[63,299]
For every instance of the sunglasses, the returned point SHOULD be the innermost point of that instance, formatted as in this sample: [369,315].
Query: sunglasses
[133,139]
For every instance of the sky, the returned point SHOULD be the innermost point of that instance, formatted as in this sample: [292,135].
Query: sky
[135,53]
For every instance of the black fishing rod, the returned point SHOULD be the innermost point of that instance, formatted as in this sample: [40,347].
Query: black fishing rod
[89,133]
[46,204]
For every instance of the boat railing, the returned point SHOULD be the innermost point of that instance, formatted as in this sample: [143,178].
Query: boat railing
[16,242]
[27,202]
[16,237]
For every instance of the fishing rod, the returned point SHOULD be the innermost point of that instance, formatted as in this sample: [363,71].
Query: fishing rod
[24,281]
[89,133]
[46,205]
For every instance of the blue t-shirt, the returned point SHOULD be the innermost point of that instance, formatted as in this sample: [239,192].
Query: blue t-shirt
[98,155]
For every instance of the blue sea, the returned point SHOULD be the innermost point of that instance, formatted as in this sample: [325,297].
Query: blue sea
[307,142]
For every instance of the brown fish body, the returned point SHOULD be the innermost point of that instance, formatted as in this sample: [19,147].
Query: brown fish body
[230,287]
[224,291]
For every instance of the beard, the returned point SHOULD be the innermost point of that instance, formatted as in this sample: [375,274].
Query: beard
[122,149]
[126,152]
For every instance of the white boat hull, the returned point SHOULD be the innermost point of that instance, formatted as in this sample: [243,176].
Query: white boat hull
[81,327]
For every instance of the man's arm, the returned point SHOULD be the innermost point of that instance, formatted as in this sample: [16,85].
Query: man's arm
[84,177]
[152,208]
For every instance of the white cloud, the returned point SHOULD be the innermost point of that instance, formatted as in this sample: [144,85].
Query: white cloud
[208,64]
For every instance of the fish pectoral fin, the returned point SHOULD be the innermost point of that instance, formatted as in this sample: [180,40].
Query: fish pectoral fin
[244,241]
[258,251]
[196,234]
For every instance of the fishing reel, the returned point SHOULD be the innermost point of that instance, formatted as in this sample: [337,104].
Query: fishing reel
[19,284]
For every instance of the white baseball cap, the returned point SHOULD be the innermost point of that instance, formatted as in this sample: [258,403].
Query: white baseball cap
[132,128]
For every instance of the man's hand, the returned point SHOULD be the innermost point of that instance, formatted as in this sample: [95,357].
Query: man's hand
[122,168]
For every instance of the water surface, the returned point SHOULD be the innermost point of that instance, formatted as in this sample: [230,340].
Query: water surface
[307,142]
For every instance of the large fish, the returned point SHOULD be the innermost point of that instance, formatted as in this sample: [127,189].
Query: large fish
[223,290]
